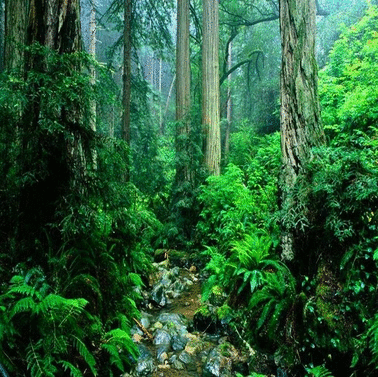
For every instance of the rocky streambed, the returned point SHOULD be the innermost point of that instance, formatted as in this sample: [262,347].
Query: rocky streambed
[173,336]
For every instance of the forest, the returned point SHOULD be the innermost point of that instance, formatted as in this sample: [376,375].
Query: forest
[189,188]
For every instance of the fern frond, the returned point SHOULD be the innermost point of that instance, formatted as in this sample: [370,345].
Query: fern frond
[319,371]
[114,353]
[265,314]
[67,366]
[208,285]
[121,339]
[86,354]
[24,305]
[373,339]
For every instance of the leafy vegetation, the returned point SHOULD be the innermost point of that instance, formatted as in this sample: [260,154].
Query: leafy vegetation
[76,240]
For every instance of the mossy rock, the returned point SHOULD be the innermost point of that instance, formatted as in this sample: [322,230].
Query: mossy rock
[176,257]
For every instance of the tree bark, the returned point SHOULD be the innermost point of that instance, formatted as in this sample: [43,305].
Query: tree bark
[16,18]
[182,93]
[229,103]
[300,114]
[210,86]
[92,52]
[53,157]
[127,80]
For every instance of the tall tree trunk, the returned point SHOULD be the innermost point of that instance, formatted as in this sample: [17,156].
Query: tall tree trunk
[210,86]
[160,94]
[182,93]
[54,157]
[127,80]
[92,52]
[229,103]
[300,115]
[16,18]
[2,34]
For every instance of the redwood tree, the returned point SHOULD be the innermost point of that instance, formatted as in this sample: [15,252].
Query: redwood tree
[301,128]
[210,86]
[182,92]
[126,78]
[51,130]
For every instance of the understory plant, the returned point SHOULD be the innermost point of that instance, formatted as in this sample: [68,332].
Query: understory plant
[77,238]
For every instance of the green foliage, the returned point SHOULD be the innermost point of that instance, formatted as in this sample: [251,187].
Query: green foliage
[50,324]
[274,303]
[77,236]
[318,371]
[238,200]
[346,93]
[228,207]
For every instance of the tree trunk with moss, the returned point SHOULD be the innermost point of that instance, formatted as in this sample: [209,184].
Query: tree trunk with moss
[210,86]
[50,135]
[16,18]
[126,80]
[182,94]
[301,128]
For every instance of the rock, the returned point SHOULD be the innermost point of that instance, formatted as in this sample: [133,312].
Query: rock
[179,342]
[137,338]
[177,320]
[187,282]
[162,337]
[177,364]
[162,357]
[217,365]
[156,325]
[145,363]
[165,280]
[175,271]
[145,367]
[178,287]
[158,295]
[193,269]
[185,357]
[145,322]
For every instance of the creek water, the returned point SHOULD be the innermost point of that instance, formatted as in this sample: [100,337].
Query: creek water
[169,343]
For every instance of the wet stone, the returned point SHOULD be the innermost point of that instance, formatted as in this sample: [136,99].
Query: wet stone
[185,357]
[162,337]
[162,356]
[145,363]
[179,342]
[158,295]
[175,271]
[177,319]
[176,363]
[217,365]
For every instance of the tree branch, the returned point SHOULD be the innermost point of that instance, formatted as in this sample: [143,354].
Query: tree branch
[235,67]
[234,33]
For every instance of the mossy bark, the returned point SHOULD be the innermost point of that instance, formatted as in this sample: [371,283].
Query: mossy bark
[126,104]
[183,156]
[301,128]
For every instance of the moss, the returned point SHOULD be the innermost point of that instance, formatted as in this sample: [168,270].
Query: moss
[204,310]
[224,311]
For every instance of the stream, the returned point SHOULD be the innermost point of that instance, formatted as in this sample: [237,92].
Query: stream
[172,336]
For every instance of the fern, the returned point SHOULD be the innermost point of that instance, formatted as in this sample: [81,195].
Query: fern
[86,355]
[274,301]
[119,345]
[67,366]
[319,371]
[373,339]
